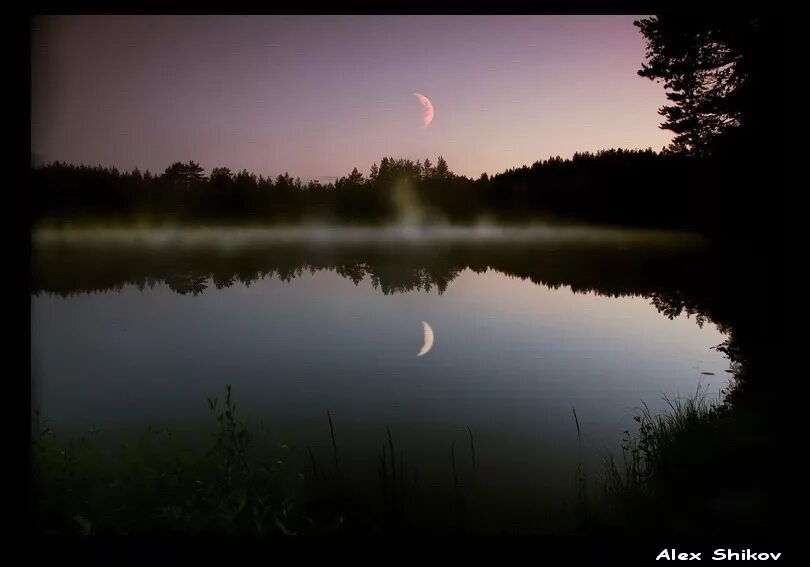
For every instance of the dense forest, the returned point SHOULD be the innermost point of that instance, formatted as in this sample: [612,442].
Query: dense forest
[628,187]
[717,72]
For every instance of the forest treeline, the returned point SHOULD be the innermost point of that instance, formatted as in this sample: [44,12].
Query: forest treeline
[627,187]
[718,172]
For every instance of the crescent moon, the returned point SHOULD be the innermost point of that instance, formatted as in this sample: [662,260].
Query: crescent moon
[427,109]
[428,344]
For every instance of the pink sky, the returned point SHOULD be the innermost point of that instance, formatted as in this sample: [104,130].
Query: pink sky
[318,95]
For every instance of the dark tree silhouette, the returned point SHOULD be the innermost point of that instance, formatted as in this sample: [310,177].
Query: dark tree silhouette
[427,169]
[221,177]
[712,69]
[184,173]
[442,171]
[610,186]
[355,177]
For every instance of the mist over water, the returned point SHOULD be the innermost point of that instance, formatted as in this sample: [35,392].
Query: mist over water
[416,224]
[405,232]
[137,326]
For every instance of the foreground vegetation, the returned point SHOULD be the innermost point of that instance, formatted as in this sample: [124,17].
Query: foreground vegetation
[698,469]
[681,472]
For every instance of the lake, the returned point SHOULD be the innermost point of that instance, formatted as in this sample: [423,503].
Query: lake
[137,328]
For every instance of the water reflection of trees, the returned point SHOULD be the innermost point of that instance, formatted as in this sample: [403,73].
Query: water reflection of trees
[677,278]
[608,269]
[731,290]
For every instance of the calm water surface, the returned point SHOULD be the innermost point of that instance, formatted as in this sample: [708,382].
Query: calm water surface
[129,335]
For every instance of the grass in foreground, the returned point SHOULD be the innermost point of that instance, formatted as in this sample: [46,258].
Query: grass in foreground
[697,469]
[686,471]
[241,484]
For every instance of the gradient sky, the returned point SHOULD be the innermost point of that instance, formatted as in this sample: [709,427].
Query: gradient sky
[318,95]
